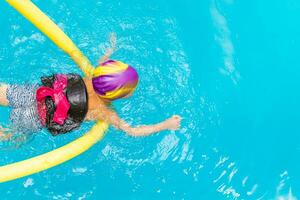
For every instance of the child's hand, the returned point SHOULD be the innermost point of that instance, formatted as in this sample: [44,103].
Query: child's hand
[173,123]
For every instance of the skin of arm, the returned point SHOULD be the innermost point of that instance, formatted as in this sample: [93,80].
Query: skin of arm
[111,117]
[99,110]
[4,132]
[3,99]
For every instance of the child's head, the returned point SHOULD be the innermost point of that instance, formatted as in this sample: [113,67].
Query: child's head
[113,80]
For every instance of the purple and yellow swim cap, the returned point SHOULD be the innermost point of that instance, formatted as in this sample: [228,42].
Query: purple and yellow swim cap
[113,80]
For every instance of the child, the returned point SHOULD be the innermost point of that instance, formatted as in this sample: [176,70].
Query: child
[63,101]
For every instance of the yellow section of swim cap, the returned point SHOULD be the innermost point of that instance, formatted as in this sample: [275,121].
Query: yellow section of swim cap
[114,67]
[115,94]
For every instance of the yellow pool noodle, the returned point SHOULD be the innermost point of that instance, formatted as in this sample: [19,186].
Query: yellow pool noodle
[53,158]
[75,148]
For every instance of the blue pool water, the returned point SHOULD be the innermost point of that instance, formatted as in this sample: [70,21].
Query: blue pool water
[229,68]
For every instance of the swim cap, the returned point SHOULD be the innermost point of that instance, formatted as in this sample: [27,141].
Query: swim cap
[113,80]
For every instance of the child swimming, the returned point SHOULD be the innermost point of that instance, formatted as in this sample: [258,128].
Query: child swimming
[63,101]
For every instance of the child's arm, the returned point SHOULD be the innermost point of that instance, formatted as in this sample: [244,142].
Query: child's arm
[173,123]
[109,51]
[3,98]
[112,118]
